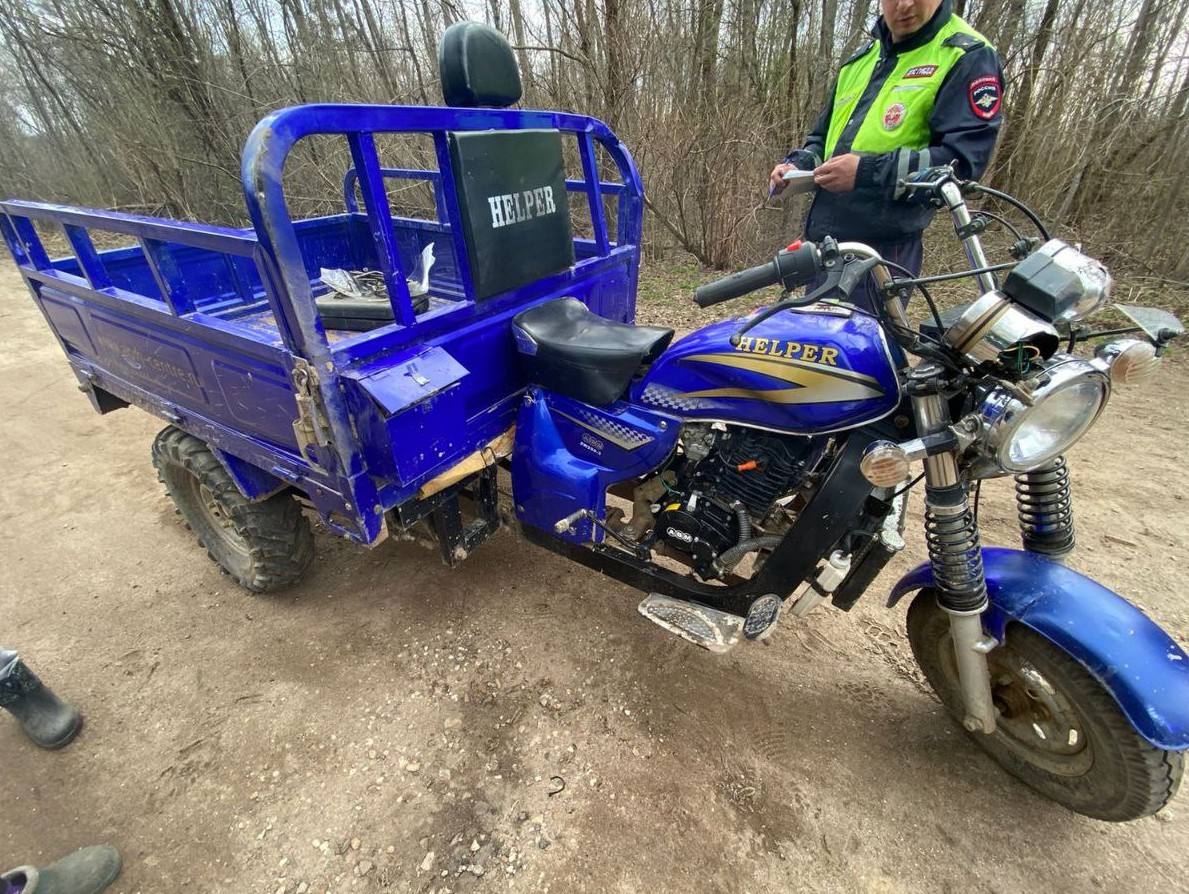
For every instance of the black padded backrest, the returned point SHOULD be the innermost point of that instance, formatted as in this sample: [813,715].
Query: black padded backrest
[511,187]
[477,67]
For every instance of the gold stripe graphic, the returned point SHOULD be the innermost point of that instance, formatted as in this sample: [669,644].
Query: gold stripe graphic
[814,384]
[782,368]
[804,395]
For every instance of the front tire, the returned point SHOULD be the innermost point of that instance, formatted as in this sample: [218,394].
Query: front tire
[264,545]
[1059,730]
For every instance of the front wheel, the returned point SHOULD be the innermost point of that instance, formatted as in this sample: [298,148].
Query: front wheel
[264,545]
[1058,729]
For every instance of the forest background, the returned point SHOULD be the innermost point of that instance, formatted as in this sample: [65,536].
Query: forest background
[144,105]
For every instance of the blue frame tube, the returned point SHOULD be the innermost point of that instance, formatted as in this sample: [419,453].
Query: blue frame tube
[379,219]
[265,154]
[434,178]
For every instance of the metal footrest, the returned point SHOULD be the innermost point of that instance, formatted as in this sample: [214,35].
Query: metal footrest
[706,627]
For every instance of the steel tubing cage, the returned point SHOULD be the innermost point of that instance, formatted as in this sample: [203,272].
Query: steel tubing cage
[273,246]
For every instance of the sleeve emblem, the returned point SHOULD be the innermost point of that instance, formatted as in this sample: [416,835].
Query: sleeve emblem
[985,95]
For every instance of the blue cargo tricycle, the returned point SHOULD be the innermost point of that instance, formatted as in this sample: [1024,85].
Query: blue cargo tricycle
[380,368]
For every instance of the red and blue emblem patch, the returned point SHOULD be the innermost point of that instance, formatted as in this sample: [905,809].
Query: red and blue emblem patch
[984,96]
[893,116]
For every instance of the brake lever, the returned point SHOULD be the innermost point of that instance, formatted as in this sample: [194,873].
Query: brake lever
[833,281]
[842,279]
[789,303]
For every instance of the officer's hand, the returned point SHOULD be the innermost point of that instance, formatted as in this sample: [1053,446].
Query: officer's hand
[837,174]
[776,180]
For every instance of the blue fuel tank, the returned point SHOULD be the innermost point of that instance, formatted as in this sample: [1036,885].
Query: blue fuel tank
[805,371]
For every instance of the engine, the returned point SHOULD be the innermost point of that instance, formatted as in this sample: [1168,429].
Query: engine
[730,480]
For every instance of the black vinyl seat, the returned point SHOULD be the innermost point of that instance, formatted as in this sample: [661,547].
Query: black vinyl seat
[568,349]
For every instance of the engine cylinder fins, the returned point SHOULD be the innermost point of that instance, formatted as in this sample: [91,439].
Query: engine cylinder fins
[1045,507]
[753,468]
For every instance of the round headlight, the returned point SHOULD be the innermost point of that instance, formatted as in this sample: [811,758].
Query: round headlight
[1023,437]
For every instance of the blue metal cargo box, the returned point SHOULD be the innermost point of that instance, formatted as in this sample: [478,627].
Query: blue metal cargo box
[218,331]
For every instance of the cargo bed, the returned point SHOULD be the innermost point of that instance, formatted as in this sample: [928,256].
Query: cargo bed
[218,331]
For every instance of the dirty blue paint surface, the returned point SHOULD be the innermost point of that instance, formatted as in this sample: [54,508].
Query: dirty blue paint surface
[1145,671]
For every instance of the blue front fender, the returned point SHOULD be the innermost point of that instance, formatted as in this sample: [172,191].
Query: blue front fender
[1136,661]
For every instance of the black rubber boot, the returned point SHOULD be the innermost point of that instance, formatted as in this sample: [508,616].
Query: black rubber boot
[49,721]
[86,871]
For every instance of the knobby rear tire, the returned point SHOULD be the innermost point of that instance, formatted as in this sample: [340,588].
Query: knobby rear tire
[263,546]
[1102,768]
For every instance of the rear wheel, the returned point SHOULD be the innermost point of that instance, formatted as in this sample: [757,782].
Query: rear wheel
[264,545]
[1058,729]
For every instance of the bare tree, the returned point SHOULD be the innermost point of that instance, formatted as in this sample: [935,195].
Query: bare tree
[145,104]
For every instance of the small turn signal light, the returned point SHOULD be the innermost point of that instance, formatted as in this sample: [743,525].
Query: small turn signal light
[884,464]
[1132,362]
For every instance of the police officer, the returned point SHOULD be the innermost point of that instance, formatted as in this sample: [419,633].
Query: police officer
[925,92]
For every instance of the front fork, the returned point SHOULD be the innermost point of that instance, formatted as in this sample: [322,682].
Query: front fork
[954,552]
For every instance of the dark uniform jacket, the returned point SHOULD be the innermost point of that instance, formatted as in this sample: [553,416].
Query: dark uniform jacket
[961,133]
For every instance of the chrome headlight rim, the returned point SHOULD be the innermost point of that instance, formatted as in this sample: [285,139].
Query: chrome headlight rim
[1004,415]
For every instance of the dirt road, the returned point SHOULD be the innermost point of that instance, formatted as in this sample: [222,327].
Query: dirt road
[390,725]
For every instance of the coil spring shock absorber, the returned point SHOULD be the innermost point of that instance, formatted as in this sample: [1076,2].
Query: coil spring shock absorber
[1045,508]
[952,538]
[962,592]
[954,552]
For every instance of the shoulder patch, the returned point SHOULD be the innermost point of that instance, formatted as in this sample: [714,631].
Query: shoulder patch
[985,94]
[860,52]
[963,41]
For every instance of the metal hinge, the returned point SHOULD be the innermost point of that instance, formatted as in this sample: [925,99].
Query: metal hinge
[312,427]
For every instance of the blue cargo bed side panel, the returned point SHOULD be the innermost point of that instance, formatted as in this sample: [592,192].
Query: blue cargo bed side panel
[245,390]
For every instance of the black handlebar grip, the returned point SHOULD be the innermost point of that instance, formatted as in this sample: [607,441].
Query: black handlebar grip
[737,284]
[798,264]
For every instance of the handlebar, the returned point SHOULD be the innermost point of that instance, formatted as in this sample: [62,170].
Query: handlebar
[795,266]
[801,262]
[737,284]
[844,265]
